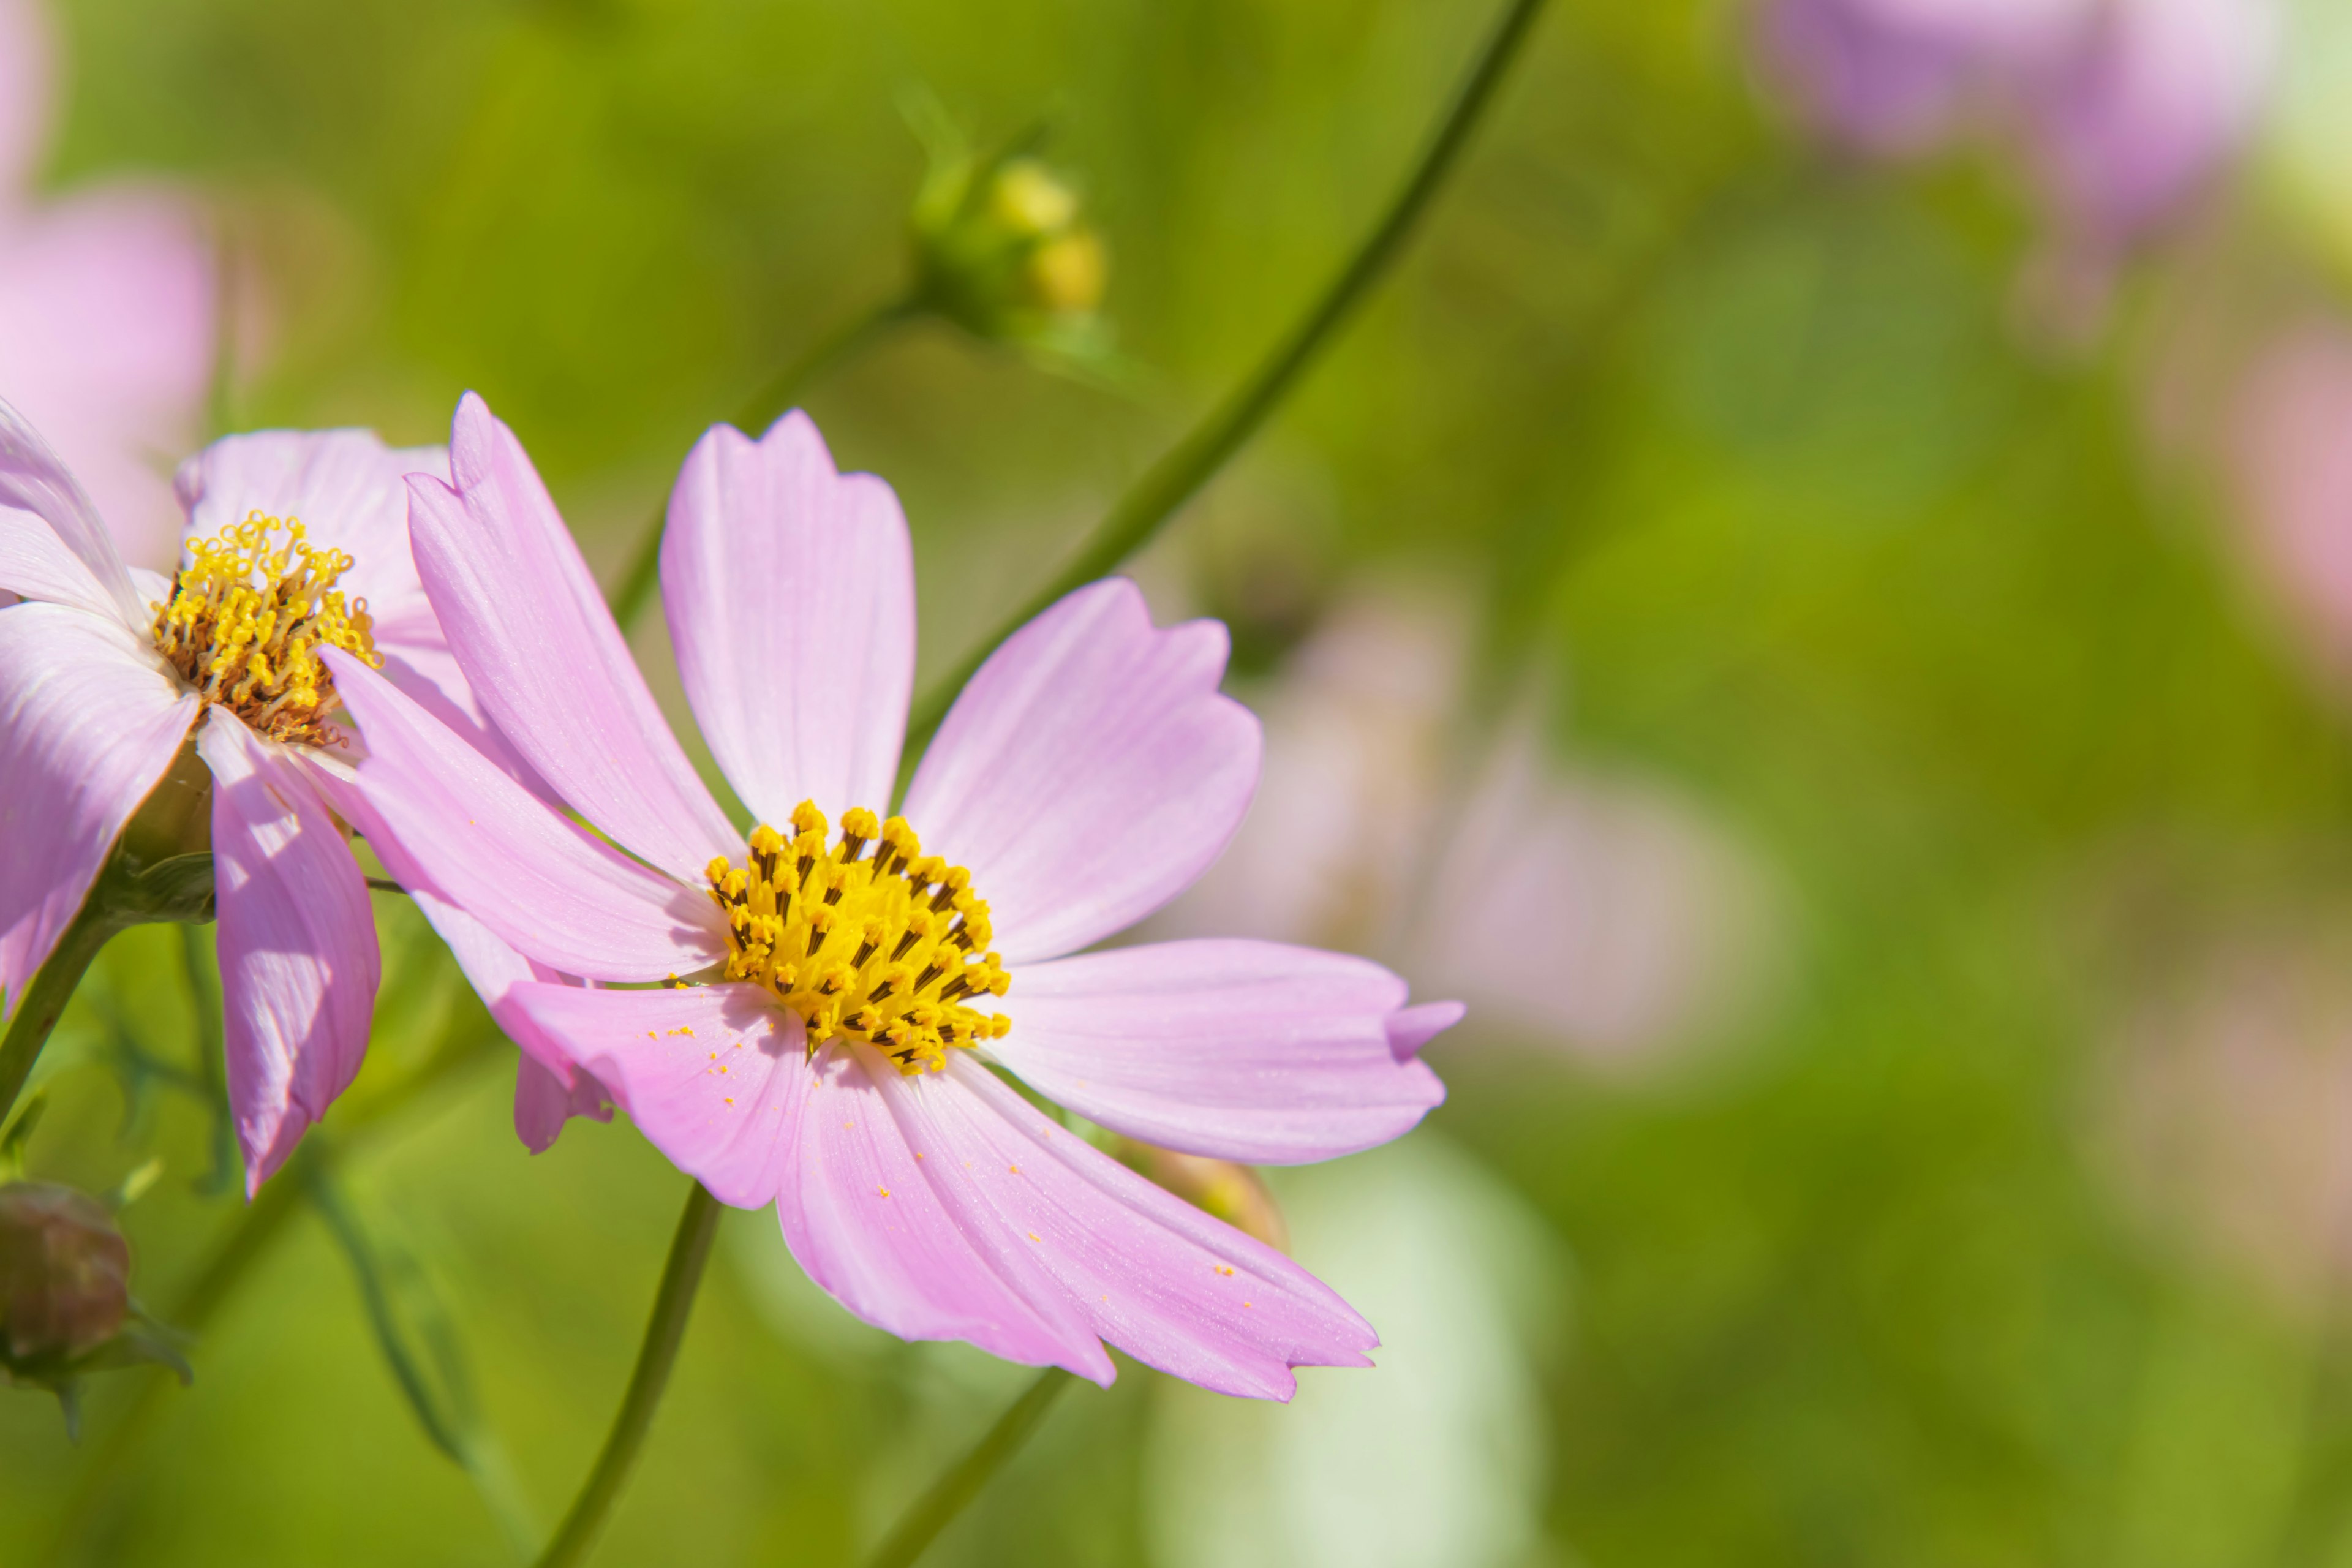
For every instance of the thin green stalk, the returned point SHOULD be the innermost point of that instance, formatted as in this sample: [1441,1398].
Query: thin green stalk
[952,1491]
[247,1239]
[688,1252]
[1177,477]
[427,1360]
[44,1000]
[760,410]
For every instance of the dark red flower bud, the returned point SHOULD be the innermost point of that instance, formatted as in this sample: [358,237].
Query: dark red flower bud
[65,1272]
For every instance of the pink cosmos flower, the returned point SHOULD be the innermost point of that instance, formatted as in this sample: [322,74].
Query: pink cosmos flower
[107,673]
[106,312]
[843,1060]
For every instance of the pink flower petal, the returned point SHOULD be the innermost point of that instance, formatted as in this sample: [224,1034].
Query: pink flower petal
[88,722]
[712,1075]
[298,952]
[536,879]
[869,1211]
[1240,1051]
[1089,772]
[1152,1274]
[105,338]
[790,596]
[426,673]
[542,1103]
[348,488]
[548,1090]
[530,629]
[52,546]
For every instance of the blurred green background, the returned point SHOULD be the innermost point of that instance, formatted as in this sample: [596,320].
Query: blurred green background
[1742,446]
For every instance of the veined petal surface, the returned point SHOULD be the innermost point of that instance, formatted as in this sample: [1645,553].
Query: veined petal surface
[52,546]
[1240,1051]
[1149,1272]
[531,632]
[871,1210]
[297,951]
[538,880]
[88,722]
[1089,772]
[790,590]
[712,1075]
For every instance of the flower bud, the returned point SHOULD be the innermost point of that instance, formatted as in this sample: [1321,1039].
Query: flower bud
[1003,249]
[1232,1192]
[65,1273]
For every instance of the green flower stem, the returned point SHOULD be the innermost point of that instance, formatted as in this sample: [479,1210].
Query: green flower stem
[951,1491]
[248,1238]
[1177,477]
[688,1252]
[44,1000]
[761,410]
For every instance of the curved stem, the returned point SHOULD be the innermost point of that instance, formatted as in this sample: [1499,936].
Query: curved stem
[951,1491]
[1190,464]
[757,412]
[688,1252]
[44,1000]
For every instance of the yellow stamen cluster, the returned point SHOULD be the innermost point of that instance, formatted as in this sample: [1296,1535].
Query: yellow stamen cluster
[886,948]
[244,623]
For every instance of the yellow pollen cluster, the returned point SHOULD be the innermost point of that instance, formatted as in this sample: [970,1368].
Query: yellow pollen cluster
[886,948]
[244,623]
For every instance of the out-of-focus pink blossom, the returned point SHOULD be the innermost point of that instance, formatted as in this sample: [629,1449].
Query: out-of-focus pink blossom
[2125,108]
[2289,456]
[835,1062]
[2226,1114]
[106,310]
[1604,917]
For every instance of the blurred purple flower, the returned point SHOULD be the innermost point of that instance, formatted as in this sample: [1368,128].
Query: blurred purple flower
[2125,107]
[106,312]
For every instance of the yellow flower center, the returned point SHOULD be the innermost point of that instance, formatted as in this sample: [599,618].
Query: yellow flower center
[886,948]
[244,623]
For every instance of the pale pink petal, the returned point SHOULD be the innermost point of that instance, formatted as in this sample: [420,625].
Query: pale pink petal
[1241,1050]
[27,66]
[52,546]
[1089,772]
[88,722]
[531,632]
[349,491]
[1152,1274]
[543,1104]
[867,1211]
[106,340]
[548,1089]
[426,673]
[790,596]
[712,1075]
[536,879]
[298,952]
